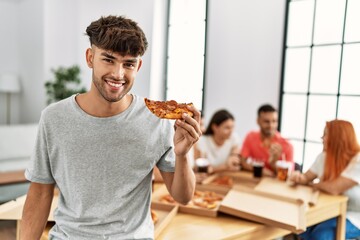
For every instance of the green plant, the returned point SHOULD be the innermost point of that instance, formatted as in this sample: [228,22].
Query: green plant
[65,84]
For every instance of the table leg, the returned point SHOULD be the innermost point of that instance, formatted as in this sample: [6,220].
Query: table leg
[341,222]
[18,223]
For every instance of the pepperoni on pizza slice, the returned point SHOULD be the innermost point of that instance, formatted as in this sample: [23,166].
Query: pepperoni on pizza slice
[168,109]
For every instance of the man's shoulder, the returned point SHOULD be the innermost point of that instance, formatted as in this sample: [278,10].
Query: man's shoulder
[57,108]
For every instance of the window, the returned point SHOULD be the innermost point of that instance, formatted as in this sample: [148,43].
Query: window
[321,76]
[186,51]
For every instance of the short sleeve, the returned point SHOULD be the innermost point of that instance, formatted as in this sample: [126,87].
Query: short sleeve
[167,161]
[318,166]
[352,171]
[39,170]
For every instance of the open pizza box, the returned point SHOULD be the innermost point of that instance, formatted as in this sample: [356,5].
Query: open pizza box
[12,210]
[225,181]
[159,196]
[306,193]
[270,209]
[165,214]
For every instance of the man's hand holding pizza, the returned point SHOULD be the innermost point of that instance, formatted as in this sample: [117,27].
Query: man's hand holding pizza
[187,131]
[181,183]
[187,125]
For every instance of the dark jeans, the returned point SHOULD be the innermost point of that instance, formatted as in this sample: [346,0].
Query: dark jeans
[327,231]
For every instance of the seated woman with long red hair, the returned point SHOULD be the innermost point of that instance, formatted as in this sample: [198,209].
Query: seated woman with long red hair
[338,168]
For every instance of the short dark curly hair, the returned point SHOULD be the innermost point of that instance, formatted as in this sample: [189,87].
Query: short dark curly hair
[117,34]
[265,109]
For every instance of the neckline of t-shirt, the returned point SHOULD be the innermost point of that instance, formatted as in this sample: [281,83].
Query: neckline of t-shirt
[84,114]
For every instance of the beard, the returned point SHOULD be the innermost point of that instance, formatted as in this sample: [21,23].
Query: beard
[100,85]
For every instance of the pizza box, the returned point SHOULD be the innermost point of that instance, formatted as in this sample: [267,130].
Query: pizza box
[45,234]
[306,193]
[165,214]
[189,208]
[12,210]
[266,208]
[241,178]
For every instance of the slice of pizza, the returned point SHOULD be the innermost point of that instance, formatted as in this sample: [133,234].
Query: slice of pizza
[223,181]
[168,109]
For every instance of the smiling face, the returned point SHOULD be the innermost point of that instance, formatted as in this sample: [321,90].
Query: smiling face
[113,74]
[268,123]
[224,130]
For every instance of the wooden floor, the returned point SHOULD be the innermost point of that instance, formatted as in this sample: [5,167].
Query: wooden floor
[7,230]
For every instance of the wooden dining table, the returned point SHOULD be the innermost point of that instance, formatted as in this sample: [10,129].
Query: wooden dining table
[189,226]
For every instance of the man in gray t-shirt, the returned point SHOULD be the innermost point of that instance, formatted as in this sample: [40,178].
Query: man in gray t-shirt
[99,148]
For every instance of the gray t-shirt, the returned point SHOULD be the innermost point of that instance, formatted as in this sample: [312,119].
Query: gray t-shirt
[102,167]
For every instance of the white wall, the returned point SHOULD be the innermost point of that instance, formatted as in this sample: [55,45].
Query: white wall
[31,59]
[9,61]
[243,61]
[47,34]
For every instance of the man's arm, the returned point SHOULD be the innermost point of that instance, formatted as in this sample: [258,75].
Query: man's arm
[181,184]
[36,210]
[275,152]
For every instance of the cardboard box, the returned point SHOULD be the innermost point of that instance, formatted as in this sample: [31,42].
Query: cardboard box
[241,178]
[211,183]
[45,234]
[165,214]
[306,193]
[12,210]
[189,208]
[270,209]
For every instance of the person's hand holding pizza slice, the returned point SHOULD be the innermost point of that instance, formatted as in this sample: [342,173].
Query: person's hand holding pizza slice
[187,132]
[187,124]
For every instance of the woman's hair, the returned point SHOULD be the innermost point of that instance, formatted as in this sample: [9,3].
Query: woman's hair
[218,118]
[341,147]
[117,34]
